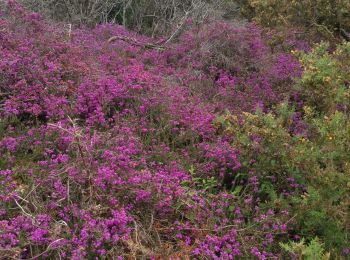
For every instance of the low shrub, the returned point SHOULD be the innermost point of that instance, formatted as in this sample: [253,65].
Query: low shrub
[324,16]
[217,146]
[301,157]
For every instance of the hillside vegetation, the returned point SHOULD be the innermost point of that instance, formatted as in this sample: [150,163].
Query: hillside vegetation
[223,140]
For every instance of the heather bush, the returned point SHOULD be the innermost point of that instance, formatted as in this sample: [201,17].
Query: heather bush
[222,145]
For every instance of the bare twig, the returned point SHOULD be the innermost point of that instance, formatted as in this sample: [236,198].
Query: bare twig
[136,43]
[178,29]
[46,250]
[23,210]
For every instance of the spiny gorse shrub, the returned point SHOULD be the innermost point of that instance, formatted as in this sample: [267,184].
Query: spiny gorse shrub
[325,16]
[300,154]
[311,251]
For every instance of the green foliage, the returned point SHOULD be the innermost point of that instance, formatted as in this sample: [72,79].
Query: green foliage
[322,164]
[314,250]
[325,81]
[318,158]
[203,184]
[265,137]
[325,16]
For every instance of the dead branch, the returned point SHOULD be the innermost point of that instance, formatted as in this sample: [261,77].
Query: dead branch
[137,43]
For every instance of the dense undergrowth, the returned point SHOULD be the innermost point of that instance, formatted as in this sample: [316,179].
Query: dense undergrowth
[224,145]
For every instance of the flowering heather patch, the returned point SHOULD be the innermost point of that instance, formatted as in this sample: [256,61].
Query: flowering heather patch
[109,149]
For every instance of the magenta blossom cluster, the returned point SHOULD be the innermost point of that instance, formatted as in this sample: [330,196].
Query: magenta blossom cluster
[107,147]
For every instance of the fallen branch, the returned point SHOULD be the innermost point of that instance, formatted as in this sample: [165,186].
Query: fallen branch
[137,43]
[49,247]
[24,212]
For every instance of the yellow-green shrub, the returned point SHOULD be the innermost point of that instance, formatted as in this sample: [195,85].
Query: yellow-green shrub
[326,78]
[324,15]
[321,163]
[318,158]
[312,251]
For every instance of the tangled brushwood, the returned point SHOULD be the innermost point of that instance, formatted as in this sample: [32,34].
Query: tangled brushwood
[223,144]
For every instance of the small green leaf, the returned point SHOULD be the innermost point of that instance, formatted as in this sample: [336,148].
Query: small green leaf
[237,190]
